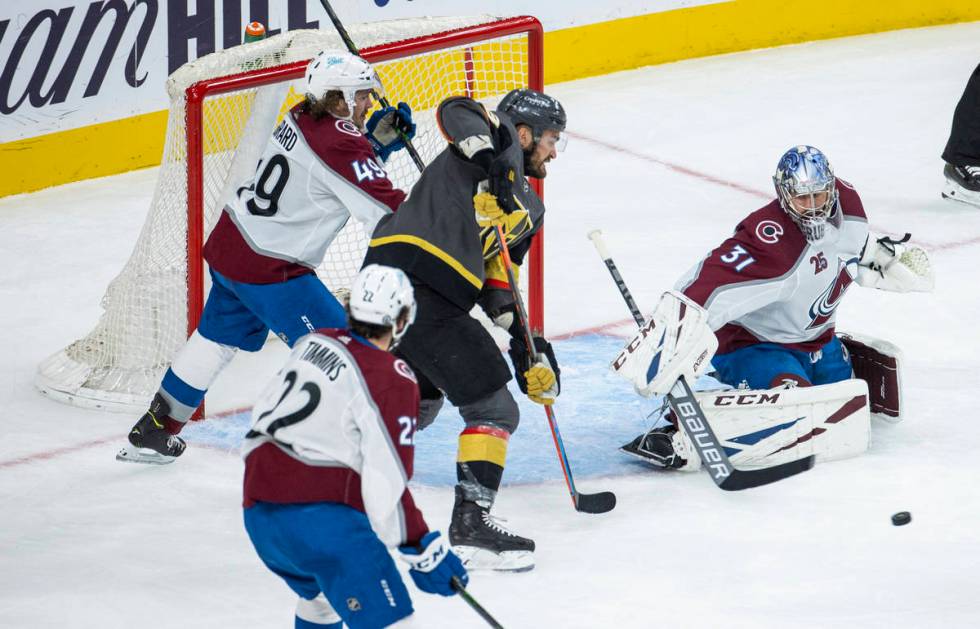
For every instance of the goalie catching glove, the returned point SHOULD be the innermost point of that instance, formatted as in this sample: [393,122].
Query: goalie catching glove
[894,265]
[676,341]
[388,129]
[541,381]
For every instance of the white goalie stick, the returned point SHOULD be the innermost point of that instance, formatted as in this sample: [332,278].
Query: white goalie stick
[691,417]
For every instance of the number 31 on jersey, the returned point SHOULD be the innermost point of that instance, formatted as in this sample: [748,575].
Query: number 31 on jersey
[739,257]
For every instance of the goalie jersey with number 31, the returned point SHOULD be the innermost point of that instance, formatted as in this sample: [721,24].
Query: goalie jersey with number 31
[770,294]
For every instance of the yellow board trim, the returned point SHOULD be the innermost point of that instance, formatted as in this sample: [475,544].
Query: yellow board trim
[730,26]
[477,447]
[434,250]
[96,151]
[594,49]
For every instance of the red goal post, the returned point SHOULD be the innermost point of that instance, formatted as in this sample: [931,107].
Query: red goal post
[223,106]
[197,93]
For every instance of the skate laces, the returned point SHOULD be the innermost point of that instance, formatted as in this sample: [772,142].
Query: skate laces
[494,523]
[973,171]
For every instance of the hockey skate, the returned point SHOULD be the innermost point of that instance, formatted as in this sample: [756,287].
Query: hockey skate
[482,543]
[962,184]
[657,447]
[150,441]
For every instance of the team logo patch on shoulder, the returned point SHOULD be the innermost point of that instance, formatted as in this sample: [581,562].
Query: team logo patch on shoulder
[348,127]
[768,231]
[402,369]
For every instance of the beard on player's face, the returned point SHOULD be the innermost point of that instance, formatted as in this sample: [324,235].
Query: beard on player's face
[535,160]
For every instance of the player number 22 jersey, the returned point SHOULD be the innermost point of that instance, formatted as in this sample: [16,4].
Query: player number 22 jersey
[338,425]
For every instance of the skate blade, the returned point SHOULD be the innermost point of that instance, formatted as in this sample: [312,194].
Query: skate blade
[633,449]
[957,193]
[484,560]
[132,454]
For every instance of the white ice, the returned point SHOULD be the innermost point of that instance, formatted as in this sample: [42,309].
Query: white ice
[665,160]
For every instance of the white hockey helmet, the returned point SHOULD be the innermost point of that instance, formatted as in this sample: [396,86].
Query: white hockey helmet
[342,71]
[379,294]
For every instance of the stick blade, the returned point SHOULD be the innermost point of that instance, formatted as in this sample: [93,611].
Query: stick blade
[595,503]
[746,479]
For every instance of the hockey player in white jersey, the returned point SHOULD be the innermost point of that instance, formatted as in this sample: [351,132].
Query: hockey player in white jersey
[772,289]
[327,463]
[322,165]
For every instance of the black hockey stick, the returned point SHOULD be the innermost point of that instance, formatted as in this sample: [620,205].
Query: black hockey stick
[484,614]
[587,503]
[691,416]
[381,99]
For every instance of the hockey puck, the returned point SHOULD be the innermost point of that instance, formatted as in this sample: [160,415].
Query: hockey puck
[901,518]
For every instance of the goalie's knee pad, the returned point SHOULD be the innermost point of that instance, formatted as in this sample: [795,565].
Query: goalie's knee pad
[498,408]
[879,364]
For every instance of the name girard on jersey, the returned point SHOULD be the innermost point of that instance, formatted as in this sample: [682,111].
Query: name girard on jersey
[328,361]
[285,136]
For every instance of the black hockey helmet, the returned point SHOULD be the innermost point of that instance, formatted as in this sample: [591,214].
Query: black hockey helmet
[534,109]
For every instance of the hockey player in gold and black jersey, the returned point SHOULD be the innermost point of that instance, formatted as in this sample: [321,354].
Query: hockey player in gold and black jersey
[442,236]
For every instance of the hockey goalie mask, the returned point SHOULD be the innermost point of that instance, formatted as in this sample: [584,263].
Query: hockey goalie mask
[805,185]
[339,70]
[379,295]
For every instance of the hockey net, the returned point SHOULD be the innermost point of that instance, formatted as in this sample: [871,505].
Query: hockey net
[223,107]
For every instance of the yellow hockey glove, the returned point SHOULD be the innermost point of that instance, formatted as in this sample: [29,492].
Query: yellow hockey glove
[541,383]
[487,211]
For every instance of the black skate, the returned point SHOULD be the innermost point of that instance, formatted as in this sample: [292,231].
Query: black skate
[962,184]
[483,544]
[149,439]
[657,448]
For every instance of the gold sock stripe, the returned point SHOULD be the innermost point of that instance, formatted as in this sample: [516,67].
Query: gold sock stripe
[478,446]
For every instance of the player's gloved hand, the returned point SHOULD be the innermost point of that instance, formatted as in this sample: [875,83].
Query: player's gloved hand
[388,128]
[498,197]
[433,565]
[488,213]
[541,382]
[501,177]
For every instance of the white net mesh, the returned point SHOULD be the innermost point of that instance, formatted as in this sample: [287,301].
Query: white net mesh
[118,366]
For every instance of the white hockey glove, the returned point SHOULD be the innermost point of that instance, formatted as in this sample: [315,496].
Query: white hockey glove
[893,265]
[675,342]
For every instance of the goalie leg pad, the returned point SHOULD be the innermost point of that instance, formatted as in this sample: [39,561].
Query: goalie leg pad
[762,428]
[879,363]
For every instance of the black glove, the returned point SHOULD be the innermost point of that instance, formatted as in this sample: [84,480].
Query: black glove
[522,361]
[501,176]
